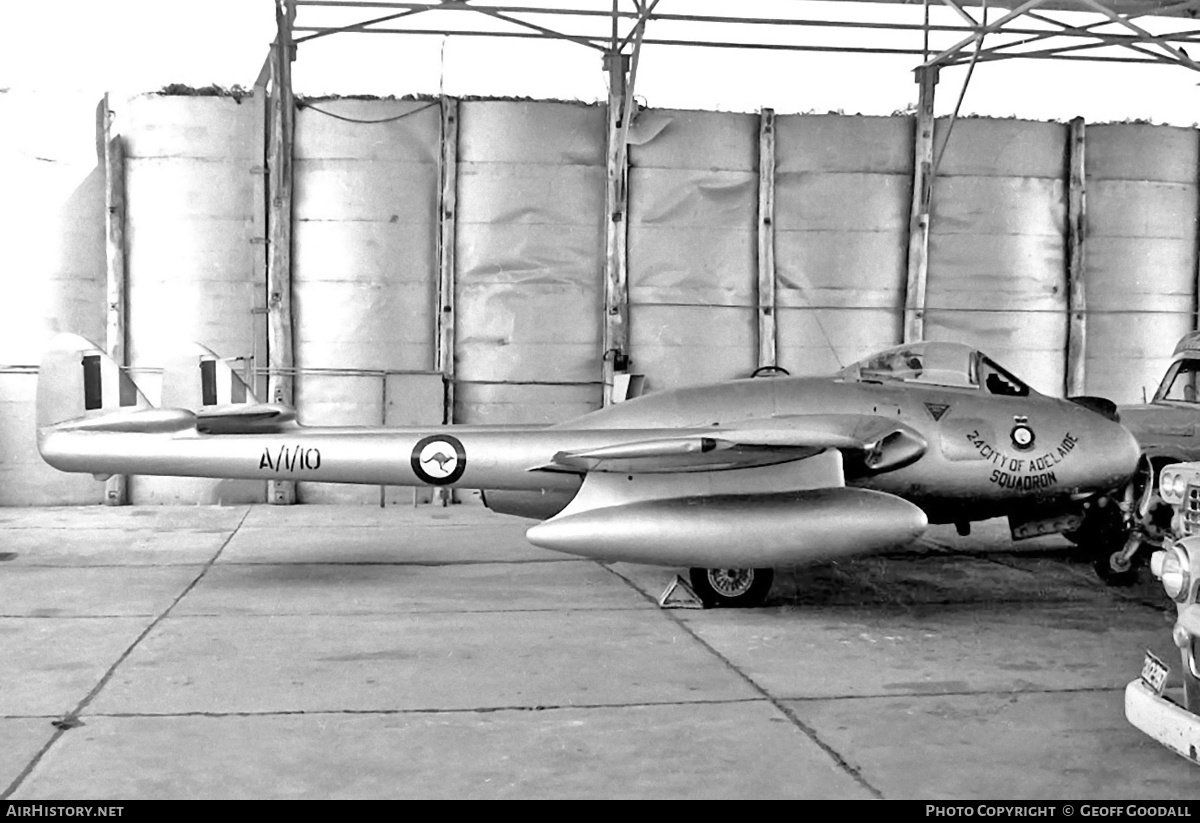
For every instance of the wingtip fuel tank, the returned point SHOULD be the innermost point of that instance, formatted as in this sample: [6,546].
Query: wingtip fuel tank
[776,529]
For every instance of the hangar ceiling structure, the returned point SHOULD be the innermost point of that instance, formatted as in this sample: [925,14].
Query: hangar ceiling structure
[618,31]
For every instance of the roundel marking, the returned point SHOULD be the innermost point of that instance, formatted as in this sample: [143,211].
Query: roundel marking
[438,459]
[1022,436]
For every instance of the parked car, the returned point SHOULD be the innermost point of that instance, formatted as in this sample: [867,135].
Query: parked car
[1173,719]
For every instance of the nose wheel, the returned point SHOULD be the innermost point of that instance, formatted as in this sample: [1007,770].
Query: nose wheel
[1119,566]
[732,588]
[1119,535]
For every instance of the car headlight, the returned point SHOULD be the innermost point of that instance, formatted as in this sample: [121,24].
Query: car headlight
[1166,486]
[1174,484]
[1174,569]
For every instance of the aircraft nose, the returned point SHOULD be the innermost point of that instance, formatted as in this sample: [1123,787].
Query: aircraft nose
[1109,451]
[1121,452]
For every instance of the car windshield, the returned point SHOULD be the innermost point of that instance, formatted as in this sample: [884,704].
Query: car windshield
[1181,382]
[941,364]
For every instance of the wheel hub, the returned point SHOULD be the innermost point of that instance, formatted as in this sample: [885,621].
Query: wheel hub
[731,582]
[1118,563]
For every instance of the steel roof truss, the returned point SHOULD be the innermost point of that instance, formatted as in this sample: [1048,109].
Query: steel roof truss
[990,28]
[1180,57]
[1135,42]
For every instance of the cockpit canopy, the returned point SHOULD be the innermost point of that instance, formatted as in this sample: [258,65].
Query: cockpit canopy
[953,365]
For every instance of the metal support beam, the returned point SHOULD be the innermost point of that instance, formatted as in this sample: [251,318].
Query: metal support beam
[1180,56]
[1076,243]
[970,21]
[585,27]
[280,345]
[767,344]
[447,223]
[922,197]
[616,205]
[943,56]
[116,488]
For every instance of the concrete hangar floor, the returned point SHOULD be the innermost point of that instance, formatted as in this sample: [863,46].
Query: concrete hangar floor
[320,651]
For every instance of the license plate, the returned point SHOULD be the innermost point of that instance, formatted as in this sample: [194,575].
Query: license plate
[1154,673]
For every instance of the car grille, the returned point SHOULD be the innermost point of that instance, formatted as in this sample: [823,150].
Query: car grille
[1191,510]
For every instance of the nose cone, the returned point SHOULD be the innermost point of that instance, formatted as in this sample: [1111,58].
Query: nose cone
[1119,453]
[1130,450]
[1109,451]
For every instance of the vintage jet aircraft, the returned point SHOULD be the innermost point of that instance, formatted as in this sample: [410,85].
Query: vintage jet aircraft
[731,479]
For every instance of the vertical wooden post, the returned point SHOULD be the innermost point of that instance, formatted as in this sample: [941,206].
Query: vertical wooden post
[1195,324]
[447,234]
[256,376]
[1076,245]
[767,345]
[280,346]
[116,488]
[447,224]
[922,197]
[616,208]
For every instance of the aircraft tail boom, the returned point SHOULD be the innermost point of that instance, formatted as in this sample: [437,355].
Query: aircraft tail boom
[394,457]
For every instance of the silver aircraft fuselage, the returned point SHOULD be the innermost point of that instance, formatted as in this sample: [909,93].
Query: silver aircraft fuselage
[748,474]
[974,465]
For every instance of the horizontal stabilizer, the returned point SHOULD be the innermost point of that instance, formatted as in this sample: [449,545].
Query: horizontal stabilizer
[260,418]
[134,421]
[736,530]
[197,378]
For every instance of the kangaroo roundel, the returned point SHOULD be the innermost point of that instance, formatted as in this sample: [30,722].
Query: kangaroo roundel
[439,459]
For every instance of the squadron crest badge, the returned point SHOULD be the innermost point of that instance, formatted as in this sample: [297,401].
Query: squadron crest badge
[1022,435]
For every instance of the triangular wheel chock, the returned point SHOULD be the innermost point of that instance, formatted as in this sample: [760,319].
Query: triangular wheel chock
[679,595]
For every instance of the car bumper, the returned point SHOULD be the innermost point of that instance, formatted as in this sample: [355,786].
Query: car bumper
[1166,721]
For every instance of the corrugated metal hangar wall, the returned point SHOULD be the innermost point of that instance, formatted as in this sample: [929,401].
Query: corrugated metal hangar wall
[529,249]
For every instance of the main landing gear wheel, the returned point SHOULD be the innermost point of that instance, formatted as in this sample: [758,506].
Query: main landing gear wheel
[732,588]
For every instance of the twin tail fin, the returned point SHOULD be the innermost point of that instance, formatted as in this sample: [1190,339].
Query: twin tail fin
[80,387]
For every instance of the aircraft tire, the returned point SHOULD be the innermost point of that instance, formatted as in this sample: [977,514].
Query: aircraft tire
[732,588]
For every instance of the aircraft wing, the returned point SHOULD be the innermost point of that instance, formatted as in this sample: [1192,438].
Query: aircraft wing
[883,442]
[768,492]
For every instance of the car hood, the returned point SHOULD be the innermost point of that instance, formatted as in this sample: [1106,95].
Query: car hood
[1154,423]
